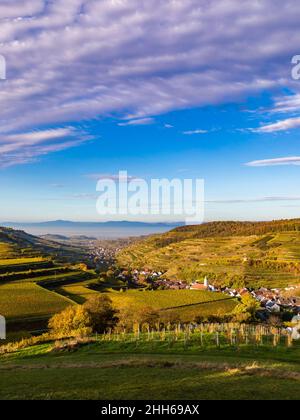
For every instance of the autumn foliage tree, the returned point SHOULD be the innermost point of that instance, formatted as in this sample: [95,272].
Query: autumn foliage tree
[102,313]
[247,306]
[74,320]
[145,316]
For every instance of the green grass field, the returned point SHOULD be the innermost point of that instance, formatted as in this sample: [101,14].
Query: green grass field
[188,303]
[110,371]
[161,299]
[25,300]
[77,292]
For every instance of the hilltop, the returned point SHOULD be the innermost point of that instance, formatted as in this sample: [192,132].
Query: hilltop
[17,243]
[254,254]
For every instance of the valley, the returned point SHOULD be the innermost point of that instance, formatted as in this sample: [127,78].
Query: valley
[155,285]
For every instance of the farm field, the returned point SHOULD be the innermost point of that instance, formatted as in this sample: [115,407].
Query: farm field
[79,293]
[17,261]
[162,299]
[25,300]
[110,371]
[188,303]
[33,287]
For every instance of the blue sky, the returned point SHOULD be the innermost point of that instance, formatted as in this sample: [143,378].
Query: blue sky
[98,87]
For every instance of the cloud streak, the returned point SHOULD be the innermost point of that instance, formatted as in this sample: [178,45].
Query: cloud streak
[140,121]
[254,200]
[26,147]
[282,125]
[275,162]
[193,132]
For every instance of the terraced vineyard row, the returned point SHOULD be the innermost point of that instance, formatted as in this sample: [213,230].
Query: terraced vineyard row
[271,260]
[28,283]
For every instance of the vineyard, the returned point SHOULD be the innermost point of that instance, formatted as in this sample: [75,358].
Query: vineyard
[29,275]
[270,261]
[203,336]
[25,300]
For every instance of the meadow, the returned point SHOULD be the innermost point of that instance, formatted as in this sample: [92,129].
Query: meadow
[112,370]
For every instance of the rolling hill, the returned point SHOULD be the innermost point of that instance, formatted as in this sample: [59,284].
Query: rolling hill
[30,269]
[252,254]
[19,244]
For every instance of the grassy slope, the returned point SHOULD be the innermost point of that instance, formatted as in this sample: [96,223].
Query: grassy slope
[26,260]
[18,244]
[187,303]
[29,300]
[129,373]
[222,251]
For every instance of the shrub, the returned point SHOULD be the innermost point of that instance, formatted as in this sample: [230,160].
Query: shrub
[70,321]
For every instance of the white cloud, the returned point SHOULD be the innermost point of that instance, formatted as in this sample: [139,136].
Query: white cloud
[141,121]
[26,147]
[192,132]
[276,162]
[290,103]
[74,60]
[254,200]
[283,125]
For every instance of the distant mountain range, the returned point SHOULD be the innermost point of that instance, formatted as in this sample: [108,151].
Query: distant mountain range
[67,223]
[105,230]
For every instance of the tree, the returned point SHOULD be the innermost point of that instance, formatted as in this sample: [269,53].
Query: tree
[247,305]
[102,313]
[145,316]
[110,274]
[71,321]
[83,267]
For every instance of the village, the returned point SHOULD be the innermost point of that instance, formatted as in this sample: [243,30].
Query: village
[273,301]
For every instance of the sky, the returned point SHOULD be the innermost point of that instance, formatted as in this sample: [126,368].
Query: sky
[160,88]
